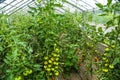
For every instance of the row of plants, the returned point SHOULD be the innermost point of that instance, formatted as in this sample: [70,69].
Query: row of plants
[107,63]
[40,45]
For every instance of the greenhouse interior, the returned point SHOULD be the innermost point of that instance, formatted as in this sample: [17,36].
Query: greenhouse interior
[59,39]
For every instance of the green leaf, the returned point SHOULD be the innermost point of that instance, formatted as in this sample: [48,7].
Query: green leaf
[33,8]
[103,14]
[37,67]
[9,70]
[116,60]
[39,1]
[100,29]
[109,2]
[14,53]
[32,13]
[58,5]
[68,63]
[6,61]
[110,22]
[99,5]
[1,48]
[63,0]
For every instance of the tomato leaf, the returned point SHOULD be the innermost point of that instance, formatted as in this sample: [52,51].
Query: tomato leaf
[116,60]
[109,2]
[99,5]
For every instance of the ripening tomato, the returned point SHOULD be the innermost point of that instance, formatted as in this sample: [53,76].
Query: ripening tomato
[96,59]
[52,78]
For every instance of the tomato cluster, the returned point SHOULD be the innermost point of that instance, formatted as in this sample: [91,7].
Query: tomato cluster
[106,62]
[51,63]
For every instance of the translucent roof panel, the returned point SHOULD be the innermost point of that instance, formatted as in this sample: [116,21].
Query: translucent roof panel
[10,6]
[1,1]
[84,4]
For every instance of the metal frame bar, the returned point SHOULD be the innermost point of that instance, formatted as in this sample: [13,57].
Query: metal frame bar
[87,4]
[10,5]
[80,5]
[59,10]
[20,7]
[74,6]
[29,4]
[13,6]
[96,1]
[7,4]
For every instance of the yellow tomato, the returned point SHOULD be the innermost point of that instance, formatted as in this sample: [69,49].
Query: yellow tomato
[48,69]
[56,67]
[105,54]
[46,58]
[55,44]
[106,49]
[106,60]
[57,50]
[113,46]
[52,69]
[54,55]
[58,55]
[54,63]
[18,78]
[105,70]
[103,58]
[57,73]
[45,62]
[25,73]
[45,67]
[57,59]
[49,65]
[111,66]
[106,64]
[30,71]
[50,74]
[50,61]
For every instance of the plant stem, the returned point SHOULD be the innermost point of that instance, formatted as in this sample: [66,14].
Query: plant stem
[117,35]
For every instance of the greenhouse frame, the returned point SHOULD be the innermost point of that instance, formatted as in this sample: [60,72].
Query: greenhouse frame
[59,39]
